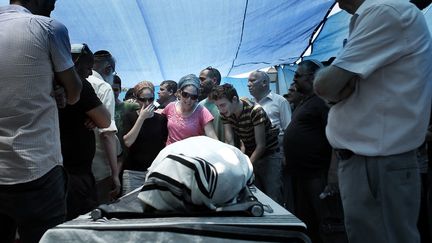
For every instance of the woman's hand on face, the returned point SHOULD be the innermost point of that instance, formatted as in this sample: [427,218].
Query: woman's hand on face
[147,112]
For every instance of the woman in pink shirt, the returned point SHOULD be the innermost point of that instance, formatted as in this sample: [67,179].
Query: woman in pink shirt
[186,118]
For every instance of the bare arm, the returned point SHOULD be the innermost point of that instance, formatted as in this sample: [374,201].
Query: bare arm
[334,84]
[209,130]
[109,142]
[260,141]
[229,139]
[130,137]
[100,116]
[332,178]
[72,84]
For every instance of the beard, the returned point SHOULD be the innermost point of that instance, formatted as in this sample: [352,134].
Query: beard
[109,79]
[205,91]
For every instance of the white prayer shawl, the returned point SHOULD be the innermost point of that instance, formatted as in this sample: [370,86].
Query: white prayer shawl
[198,171]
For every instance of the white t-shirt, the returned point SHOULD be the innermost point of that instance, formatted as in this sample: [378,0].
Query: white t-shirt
[100,166]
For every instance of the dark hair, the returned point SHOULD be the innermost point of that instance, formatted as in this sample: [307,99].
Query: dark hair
[223,91]
[214,73]
[117,80]
[103,56]
[421,4]
[170,84]
[129,94]
[310,65]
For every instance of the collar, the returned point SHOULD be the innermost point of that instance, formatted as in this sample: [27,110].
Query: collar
[97,75]
[269,96]
[365,5]
[14,8]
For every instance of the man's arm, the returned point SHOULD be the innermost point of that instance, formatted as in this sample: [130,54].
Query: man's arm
[109,142]
[100,116]
[285,114]
[72,84]
[260,141]
[210,131]
[229,138]
[108,137]
[334,84]
[332,186]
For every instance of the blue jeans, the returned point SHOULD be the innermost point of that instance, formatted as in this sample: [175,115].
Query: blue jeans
[33,207]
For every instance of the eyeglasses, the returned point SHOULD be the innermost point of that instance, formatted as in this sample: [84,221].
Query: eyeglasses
[187,95]
[142,99]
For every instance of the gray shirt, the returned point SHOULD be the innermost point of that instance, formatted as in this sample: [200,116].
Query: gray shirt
[32,48]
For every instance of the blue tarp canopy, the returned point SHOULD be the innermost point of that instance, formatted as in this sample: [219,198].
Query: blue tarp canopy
[335,30]
[166,39]
[329,42]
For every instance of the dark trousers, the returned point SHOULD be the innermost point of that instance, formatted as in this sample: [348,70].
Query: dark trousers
[323,217]
[33,207]
[424,223]
[82,197]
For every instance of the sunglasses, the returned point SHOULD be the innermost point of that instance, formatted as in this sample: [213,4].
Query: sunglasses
[187,95]
[145,99]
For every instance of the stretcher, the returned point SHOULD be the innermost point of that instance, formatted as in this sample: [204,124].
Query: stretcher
[255,218]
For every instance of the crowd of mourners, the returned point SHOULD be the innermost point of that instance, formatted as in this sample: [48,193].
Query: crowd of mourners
[347,149]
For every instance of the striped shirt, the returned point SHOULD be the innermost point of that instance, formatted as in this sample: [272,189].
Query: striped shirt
[243,126]
[32,48]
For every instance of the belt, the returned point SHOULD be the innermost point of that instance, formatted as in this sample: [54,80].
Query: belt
[344,154]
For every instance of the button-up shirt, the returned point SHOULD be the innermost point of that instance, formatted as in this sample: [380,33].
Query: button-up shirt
[390,48]
[32,48]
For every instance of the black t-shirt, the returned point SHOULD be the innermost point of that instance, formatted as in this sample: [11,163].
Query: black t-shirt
[150,141]
[77,141]
[307,150]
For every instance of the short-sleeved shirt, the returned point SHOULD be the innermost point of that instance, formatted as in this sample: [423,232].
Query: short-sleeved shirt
[101,167]
[150,141]
[217,123]
[32,48]
[181,127]
[77,141]
[244,126]
[307,150]
[277,109]
[389,47]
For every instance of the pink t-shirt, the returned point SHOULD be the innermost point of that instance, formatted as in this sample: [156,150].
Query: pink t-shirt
[180,127]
